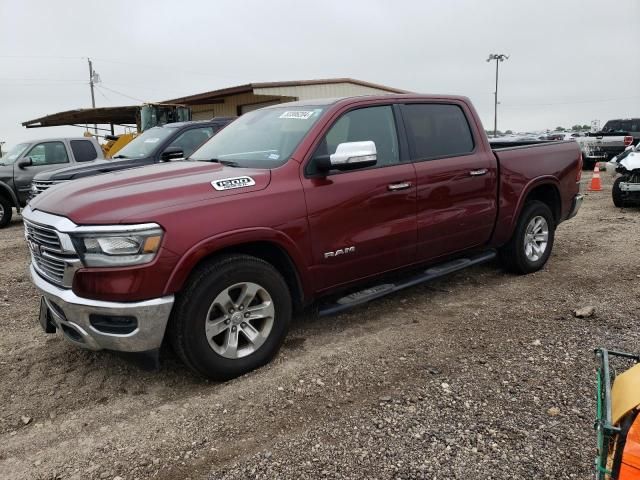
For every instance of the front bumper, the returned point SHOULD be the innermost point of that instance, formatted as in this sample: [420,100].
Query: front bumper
[71,315]
[629,187]
[575,205]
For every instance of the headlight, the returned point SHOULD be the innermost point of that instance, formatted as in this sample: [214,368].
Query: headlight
[113,249]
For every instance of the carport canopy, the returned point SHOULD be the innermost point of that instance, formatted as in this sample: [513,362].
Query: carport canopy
[106,115]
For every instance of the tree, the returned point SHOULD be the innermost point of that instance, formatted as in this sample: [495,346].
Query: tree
[509,132]
[559,129]
[576,128]
[586,127]
[490,133]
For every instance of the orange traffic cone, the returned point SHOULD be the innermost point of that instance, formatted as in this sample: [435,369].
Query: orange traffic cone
[595,186]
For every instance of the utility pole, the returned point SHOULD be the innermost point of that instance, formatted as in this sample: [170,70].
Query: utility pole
[498,57]
[92,78]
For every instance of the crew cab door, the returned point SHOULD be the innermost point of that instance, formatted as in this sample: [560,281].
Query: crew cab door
[44,156]
[363,221]
[456,178]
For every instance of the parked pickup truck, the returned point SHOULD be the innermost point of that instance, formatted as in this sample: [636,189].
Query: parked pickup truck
[330,202]
[25,160]
[158,144]
[612,140]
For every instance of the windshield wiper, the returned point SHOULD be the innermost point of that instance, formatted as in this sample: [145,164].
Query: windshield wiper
[226,163]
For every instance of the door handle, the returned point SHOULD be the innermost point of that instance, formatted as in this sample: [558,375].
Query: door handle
[477,173]
[398,186]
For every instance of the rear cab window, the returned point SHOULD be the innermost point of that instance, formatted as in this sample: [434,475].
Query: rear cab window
[437,130]
[83,150]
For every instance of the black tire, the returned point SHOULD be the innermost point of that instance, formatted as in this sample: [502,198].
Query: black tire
[513,253]
[187,326]
[616,193]
[6,212]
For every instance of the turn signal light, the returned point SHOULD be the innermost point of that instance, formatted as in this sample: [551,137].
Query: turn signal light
[628,140]
[580,164]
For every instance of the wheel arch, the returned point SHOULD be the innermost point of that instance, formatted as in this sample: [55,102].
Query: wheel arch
[547,193]
[546,190]
[6,191]
[271,246]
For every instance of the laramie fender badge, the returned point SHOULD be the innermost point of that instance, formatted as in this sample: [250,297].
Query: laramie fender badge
[231,183]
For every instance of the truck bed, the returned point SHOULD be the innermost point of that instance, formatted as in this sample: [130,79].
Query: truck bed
[523,167]
[501,145]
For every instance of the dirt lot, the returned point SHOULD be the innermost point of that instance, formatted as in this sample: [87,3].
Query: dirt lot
[454,379]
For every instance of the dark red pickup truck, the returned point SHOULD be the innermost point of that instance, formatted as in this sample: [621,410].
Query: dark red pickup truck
[300,203]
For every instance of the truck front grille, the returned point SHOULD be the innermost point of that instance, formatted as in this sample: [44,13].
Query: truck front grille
[42,235]
[40,186]
[48,256]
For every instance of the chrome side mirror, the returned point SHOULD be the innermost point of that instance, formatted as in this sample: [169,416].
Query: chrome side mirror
[354,155]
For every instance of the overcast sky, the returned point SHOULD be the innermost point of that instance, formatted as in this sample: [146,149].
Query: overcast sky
[571,61]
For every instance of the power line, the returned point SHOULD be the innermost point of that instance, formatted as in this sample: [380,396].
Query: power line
[44,79]
[52,57]
[567,103]
[160,67]
[120,93]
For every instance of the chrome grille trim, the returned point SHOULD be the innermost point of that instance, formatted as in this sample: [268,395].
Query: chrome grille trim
[52,255]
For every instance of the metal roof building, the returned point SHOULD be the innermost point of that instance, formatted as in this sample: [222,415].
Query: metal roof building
[245,98]
[225,102]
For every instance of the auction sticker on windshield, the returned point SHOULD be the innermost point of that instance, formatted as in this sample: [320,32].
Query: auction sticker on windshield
[231,183]
[298,114]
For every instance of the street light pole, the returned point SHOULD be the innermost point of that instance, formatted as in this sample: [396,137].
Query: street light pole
[498,57]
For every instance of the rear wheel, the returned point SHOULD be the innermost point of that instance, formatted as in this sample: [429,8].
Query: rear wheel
[532,241]
[6,212]
[617,194]
[232,317]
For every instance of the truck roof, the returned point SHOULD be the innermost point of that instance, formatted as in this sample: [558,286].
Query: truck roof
[52,139]
[394,96]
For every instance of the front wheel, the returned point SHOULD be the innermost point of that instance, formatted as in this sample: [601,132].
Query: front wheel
[616,192]
[6,212]
[532,241]
[232,317]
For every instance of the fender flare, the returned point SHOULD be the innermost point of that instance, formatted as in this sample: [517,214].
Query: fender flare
[7,191]
[217,243]
[528,188]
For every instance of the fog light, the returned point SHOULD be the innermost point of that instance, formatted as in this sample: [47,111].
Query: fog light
[113,324]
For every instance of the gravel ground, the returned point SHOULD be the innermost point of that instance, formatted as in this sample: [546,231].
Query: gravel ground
[483,375]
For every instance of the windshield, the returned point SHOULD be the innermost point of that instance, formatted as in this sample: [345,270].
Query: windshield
[145,144]
[264,138]
[13,154]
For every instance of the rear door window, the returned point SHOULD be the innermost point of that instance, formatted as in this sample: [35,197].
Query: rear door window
[83,150]
[436,130]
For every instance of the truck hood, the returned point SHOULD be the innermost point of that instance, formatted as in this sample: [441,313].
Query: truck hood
[95,167]
[115,197]
[631,162]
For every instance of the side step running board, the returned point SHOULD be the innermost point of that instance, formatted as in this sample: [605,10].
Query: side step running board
[432,273]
